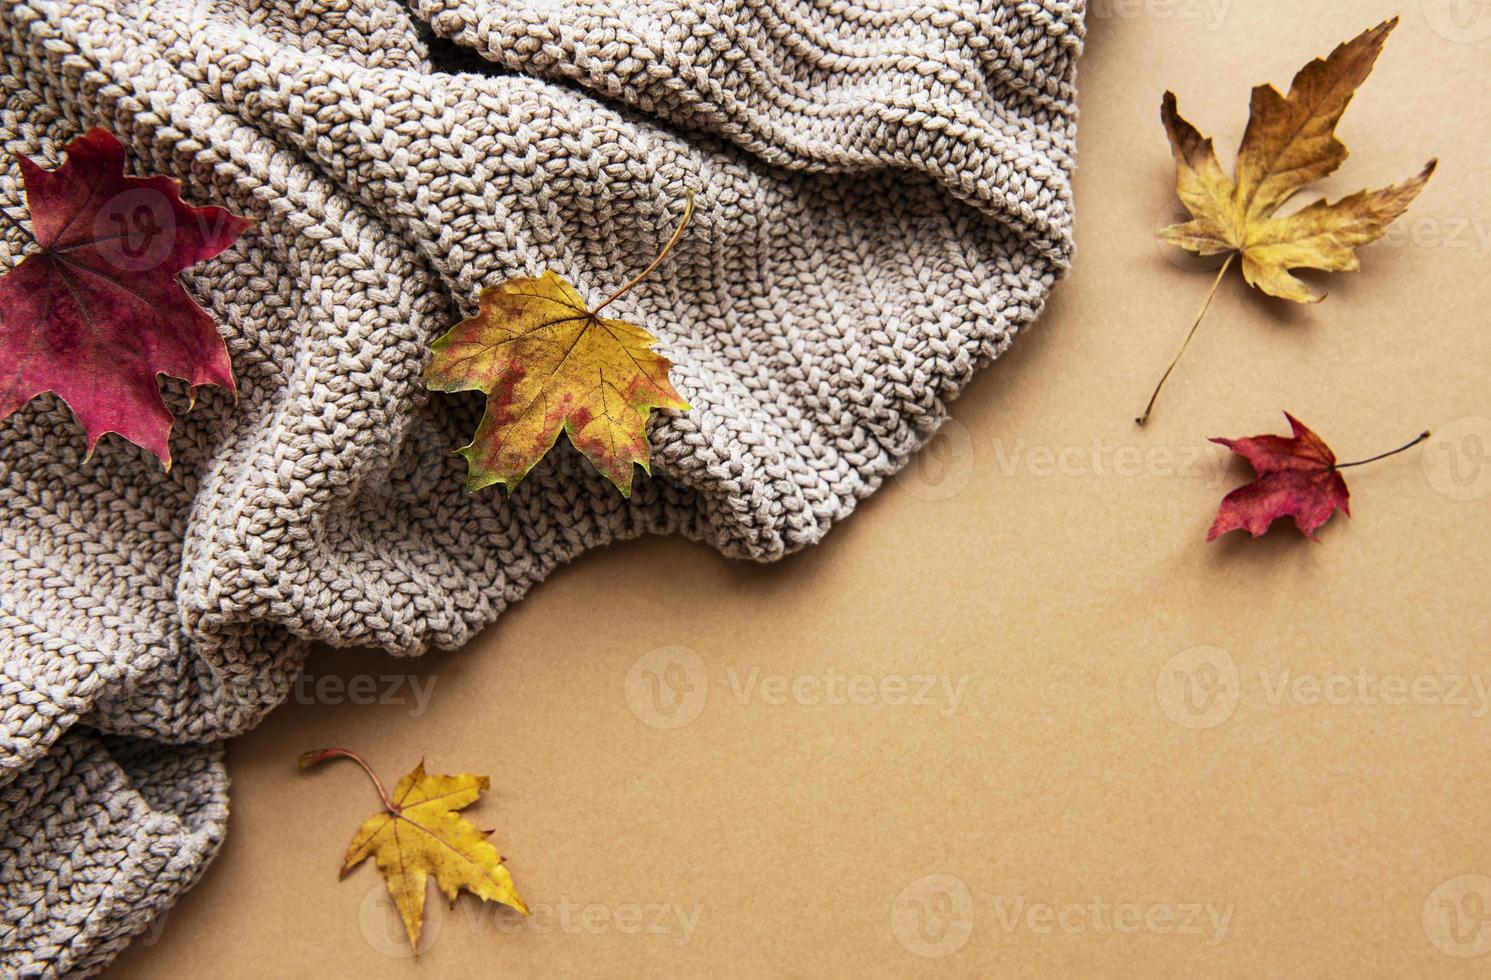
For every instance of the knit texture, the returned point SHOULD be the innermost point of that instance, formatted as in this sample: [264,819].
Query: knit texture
[883,202]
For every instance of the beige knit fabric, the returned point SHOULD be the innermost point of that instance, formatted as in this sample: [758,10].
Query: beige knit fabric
[883,201]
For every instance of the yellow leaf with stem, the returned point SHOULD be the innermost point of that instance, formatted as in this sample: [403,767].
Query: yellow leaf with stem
[419,835]
[1289,144]
[547,362]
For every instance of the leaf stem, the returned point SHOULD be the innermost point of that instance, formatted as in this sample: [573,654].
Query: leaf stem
[688,212]
[1141,420]
[308,759]
[1373,459]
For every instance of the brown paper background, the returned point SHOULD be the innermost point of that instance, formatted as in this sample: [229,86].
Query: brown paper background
[1052,557]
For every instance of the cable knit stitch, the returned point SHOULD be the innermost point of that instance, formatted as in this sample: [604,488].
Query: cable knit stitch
[883,202]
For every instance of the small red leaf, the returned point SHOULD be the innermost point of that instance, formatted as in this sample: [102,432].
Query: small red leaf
[95,314]
[1297,477]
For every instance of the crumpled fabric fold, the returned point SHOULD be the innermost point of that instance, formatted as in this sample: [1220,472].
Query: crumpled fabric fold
[883,203]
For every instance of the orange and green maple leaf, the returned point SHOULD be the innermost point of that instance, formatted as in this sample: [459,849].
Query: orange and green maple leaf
[549,363]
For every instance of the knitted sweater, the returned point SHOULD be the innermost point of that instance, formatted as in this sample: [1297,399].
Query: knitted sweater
[883,202]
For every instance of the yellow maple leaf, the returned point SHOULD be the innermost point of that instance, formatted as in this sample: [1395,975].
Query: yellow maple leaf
[547,362]
[1290,143]
[420,835]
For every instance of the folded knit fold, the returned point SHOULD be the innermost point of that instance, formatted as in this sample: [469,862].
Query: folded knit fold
[883,202]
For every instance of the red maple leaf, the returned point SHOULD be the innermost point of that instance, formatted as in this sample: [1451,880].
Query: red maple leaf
[96,313]
[1297,477]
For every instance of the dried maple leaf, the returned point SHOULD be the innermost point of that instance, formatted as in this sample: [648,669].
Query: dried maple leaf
[547,362]
[97,314]
[1289,144]
[419,834]
[1298,477]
